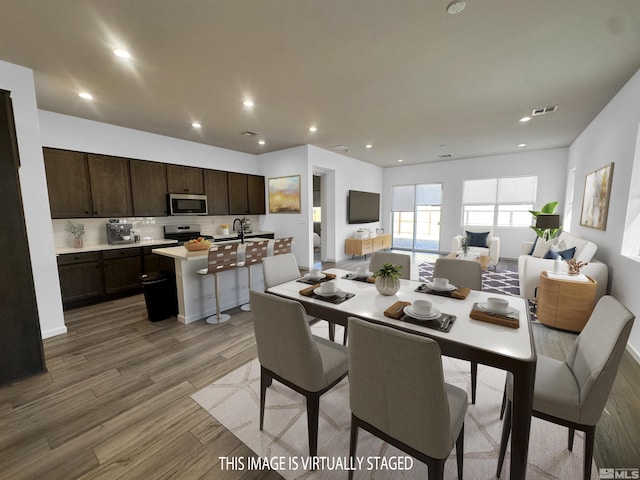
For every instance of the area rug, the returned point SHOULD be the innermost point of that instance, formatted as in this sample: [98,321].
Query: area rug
[283,446]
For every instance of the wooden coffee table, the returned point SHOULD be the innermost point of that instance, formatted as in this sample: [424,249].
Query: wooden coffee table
[483,259]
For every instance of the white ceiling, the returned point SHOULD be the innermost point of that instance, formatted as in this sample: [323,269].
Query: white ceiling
[402,75]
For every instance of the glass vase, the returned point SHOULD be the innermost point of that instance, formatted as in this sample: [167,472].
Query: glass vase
[77,242]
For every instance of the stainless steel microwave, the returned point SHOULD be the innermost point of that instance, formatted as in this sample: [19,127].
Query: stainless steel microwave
[184,204]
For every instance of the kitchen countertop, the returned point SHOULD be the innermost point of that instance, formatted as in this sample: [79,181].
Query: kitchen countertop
[234,235]
[182,253]
[106,246]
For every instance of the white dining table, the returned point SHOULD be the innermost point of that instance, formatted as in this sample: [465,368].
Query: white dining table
[510,349]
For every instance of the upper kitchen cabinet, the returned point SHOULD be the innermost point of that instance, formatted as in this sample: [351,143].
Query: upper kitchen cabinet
[255,195]
[217,191]
[148,188]
[181,179]
[68,183]
[246,194]
[110,186]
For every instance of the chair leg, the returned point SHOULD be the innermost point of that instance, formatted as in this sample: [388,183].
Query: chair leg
[460,452]
[313,409]
[572,432]
[219,317]
[344,339]
[506,431]
[353,444]
[504,400]
[474,381]
[589,438]
[247,306]
[265,381]
[332,331]
[436,469]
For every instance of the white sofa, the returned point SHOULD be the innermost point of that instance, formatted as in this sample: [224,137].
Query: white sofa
[529,267]
[492,249]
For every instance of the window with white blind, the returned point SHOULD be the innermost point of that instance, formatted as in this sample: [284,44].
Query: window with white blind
[503,202]
[416,216]
[631,237]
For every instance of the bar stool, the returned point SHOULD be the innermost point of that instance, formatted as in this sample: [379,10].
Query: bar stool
[221,258]
[253,253]
[282,245]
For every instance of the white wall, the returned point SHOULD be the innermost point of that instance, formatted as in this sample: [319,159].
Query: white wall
[35,200]
[342,173]
[611,137]
[549,165]
[72,133]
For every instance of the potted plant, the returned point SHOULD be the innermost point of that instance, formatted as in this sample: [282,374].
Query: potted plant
[225,228]
[465,246]
[77,230]
[547,209]
[388,278]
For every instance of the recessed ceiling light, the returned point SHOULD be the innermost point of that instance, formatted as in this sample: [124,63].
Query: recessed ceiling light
[119,52]
[85,95]
[525,119]
[196,125]
[456,7]
[248,103]
[313,129]
[261,142]
[400,160]
[522,145]
[368,145]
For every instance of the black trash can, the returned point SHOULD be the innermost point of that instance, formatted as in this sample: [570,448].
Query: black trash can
[160,295]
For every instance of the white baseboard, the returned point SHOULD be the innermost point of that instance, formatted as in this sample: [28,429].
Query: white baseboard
[634,353]
[53,332]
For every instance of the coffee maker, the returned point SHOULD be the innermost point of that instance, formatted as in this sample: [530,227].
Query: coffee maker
[118,233]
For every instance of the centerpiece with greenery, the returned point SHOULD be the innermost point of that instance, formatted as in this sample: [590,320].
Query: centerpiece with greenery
[388,278]
[77,230]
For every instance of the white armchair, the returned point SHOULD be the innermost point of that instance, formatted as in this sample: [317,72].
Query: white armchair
[491,249]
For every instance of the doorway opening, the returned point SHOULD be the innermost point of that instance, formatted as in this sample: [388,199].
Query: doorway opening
[318,181]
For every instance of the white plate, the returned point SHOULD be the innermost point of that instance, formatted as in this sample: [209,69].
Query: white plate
[317,291]
[434,313]
[485,308]
[448,288]
[314,279]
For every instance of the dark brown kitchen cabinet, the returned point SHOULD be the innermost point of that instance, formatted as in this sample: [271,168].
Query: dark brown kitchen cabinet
[255,194]
[148,188]
[246,194]
[21,353]
[81,277]
[110,186]
[217,191]
[181,179]
[68,183]
[122,269]
[154,263]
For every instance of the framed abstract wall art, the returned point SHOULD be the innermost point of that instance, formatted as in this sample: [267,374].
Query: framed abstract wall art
[595,202]
[284,194]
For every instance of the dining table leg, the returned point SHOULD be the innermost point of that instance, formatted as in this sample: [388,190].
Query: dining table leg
[524,375]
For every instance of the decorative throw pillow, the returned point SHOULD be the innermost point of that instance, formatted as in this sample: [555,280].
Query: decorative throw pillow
[533,247]
[564,254]
[543,246]
[477,239]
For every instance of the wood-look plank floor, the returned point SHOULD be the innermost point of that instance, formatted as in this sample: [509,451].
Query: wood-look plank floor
[115,402]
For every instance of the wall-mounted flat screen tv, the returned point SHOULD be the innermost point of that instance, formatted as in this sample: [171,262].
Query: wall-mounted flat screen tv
[363,207]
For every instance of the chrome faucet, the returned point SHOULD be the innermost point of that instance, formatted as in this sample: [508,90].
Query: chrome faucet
[241,232]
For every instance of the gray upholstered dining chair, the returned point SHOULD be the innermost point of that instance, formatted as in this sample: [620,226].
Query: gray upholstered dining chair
[290,354]
[462,274]
[378,258]
[573,393]
[397,392]
[283,268]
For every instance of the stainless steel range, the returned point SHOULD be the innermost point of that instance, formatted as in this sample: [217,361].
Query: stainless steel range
[184,233]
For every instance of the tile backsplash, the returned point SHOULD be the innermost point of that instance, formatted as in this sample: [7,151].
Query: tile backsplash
[150,228]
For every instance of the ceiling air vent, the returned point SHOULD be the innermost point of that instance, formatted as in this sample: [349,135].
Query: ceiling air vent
[247,133]
[340,148]
[444,156]
[544,110]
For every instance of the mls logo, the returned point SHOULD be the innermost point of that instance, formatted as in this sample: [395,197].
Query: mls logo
[622,473]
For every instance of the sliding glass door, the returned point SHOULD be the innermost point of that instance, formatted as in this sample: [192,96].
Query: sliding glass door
[416,216]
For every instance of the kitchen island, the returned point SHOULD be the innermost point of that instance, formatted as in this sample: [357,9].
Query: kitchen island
[196,298]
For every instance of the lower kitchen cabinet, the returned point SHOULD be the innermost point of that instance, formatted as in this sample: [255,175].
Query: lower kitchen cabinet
[92,277]
[81,277]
